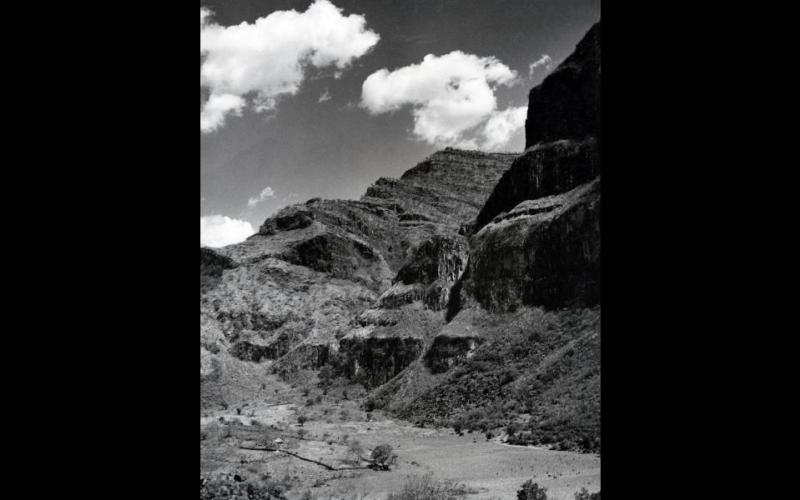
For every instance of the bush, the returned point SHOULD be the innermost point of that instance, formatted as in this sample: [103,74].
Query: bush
[585,495]
[426,488]
[382,456]
[531,491]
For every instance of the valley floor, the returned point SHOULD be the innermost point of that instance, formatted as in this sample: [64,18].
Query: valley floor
[489,468]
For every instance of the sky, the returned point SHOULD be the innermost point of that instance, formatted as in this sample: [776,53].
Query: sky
[320,98]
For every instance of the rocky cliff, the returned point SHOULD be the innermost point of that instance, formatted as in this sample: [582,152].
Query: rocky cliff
[567,103]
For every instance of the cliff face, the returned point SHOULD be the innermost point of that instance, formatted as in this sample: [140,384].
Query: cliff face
[567,103]
[544,252]
[536,241]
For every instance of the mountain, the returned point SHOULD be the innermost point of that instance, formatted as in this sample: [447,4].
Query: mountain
[466,293]
[355,283]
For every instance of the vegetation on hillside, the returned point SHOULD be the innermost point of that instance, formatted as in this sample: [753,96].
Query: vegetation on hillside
[536,378]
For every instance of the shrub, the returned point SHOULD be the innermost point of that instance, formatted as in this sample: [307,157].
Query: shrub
[382,456]
[531,491]
[585,495]
[426,488]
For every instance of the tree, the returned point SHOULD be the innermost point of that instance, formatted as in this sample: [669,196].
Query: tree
[532,491]
[382,456]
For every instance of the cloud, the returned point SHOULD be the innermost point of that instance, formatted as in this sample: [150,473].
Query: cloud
[267,192]
[260,62]
[219,230]
[545,61]
[326,96]
[449,95]
[212,115]
[502,125]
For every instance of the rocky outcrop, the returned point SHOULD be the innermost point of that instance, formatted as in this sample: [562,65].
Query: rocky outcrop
[212,265]
[287,219]
[567,103]
[536,241]
[544,252]
[341,257]
[375,360]
[429,274]
[545,170]
[447,351]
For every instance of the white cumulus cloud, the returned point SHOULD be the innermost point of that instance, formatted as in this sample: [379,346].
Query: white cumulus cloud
[502,125]
[212,116]
[266,59]
[448,95]
[220,230]
[545,61]
[267,192]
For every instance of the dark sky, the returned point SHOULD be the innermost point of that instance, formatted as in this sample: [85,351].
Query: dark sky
[305,148]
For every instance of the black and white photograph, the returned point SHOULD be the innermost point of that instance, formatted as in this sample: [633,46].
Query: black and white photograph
[400,249]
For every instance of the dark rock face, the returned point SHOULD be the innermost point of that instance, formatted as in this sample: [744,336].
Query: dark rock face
[212,265]
[292,217]
[447,351]
[544,252]
[536,241]
[548,169]
[567,103]
[376,360]
[340,256]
